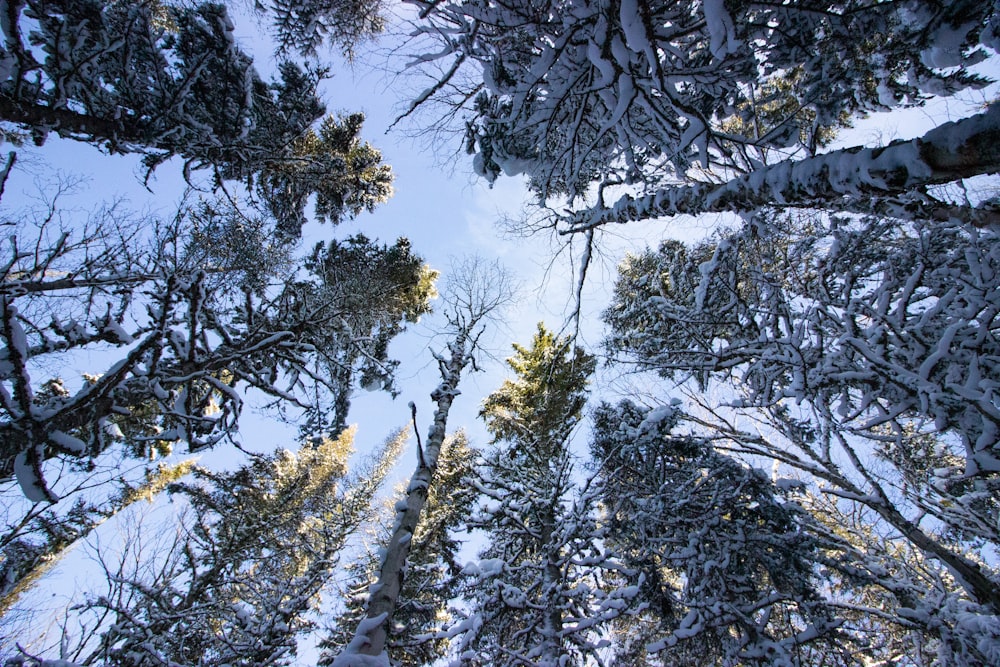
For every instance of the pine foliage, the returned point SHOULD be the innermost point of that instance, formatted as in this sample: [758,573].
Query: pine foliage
[537,593]
[726,563]
[194,323]
[863,348]
[239,583]
[168,79]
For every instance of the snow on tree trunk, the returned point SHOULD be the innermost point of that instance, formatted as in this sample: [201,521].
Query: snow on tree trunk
[369,644]
[478,291]
[952,151]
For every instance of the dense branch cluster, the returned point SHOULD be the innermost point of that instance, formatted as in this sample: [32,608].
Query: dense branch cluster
[867,351]
[653,95]
[194,326]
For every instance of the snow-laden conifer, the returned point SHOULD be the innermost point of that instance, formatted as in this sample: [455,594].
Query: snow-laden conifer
[690,104]
[477,293]
[730,572]
[169,79]
[539,594]
[206,307]
[246,569]
[864,352]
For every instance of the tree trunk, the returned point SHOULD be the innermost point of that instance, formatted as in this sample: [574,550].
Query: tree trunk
[66,123]
[368,647]
[553,575]
[835,180]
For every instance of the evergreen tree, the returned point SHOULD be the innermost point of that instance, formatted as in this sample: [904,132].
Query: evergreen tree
[194,323]
[726,563]
[536,593]
[893,599]
[306,25]
[863,346]
[239,583]
[658,95]
[39,539]
[164,80]
[477,292]
[364,294]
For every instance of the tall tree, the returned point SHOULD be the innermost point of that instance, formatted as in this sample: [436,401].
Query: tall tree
[365,294]
[194,322]
[651,95]
[163,80]
[894,599]
[307,25]
[726,564]
[238,584]
[37,539]
[431,584]
[536,595]
[477,293]
[865,347]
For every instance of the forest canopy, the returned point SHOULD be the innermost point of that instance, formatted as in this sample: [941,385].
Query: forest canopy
[781,448]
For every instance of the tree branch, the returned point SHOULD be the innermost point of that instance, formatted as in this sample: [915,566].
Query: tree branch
[952,151]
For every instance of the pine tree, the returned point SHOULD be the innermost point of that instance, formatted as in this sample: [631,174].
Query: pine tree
[742,586]
[533,601]
[166,79]
[364,294]
[34,544]
[307,25]
[862,345]
[477,293]
[195,322]
[688,103]
[239,583]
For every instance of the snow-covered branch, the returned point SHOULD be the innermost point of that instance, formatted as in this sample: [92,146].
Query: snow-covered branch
[864,179]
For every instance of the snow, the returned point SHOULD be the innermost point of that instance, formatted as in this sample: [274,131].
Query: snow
[707,271]
[720,28]
[656,416]
[885,95]
[986,630]
[31,484]
[820,180]
[634,29]
[114,328]
[69,443]
[847,170]
[790,484]
[486,567]
[948,46]
[17,339]
[358,660]
[351,656]
[597,59]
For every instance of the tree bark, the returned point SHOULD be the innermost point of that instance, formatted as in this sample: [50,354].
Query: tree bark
[372,634]
[64,122]
[837,180]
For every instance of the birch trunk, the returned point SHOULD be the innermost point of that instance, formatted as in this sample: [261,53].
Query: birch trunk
[479,291]
[369,644]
